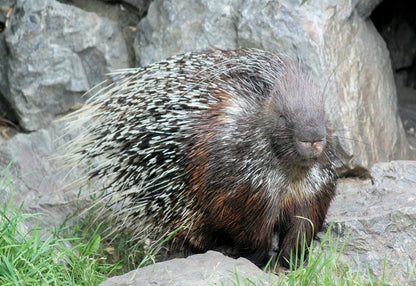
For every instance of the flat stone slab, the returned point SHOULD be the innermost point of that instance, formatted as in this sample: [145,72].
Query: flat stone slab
[210,268]
[380,214]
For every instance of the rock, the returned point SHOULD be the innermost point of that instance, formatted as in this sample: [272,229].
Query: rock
[362,76]
[339,45]
[211,268]
[380,214]
[56,53]
[172,27]
[37,179]
[5,6]
[288,32]
[125,14]
[365,7]
[140,5]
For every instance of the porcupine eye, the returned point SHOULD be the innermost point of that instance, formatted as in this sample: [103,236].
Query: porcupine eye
[281,121]
[278,132]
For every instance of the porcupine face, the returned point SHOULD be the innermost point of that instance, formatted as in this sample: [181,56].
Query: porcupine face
[299,122]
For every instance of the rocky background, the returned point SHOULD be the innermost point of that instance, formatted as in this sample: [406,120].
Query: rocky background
[362,53]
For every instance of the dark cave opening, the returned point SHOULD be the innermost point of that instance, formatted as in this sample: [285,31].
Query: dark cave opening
[396,22]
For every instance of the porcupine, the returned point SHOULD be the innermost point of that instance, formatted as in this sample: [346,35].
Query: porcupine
[227,147]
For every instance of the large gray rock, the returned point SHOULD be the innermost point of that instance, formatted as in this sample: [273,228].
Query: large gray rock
[364,115]
[334,39]
[172,27]
[380,215]
[37,178]
[365,7]
[124,13]
[211,268]
[56,53]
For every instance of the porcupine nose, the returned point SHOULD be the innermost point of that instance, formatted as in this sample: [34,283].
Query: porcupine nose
[310,149]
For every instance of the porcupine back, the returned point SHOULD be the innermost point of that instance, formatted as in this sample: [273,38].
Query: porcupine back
[188,138]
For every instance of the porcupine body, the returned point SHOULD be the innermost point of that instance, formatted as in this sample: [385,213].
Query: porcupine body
[229,147]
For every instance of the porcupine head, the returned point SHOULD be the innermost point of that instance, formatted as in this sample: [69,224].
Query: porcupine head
[280,170]
[297,119]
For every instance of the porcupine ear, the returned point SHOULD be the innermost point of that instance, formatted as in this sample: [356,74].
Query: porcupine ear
[253,73]
[254,86]
[298,95]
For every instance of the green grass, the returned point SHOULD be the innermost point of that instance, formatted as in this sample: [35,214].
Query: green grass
[39,257]
[324,266]
[121,252]
[80,254]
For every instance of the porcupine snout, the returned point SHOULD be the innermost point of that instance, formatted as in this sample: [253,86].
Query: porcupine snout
[310,149]
[310,138]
